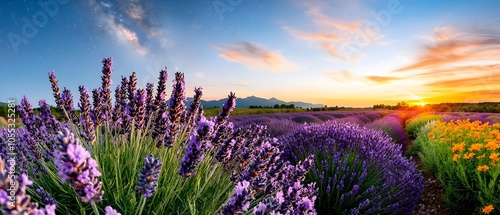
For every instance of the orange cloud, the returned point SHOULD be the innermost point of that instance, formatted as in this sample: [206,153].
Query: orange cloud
[382,79]
[459,70]
[466,82]
[450,47]
[256,57]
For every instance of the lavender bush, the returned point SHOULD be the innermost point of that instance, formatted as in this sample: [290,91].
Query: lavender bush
[392,124]
[357,170]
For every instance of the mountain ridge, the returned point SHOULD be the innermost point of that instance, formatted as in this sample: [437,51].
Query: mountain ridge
[256,101]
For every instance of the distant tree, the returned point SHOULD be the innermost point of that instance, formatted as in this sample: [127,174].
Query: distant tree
[276,106]
[3,111]
[401,106]
[444,108]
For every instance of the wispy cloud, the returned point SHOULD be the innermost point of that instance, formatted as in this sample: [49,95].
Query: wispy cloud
[123,34]
[341,39]
[342,75]
[256,57]
[449,46]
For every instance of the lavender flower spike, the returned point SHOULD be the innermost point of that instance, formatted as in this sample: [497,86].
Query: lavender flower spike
[107,69]
[55,89]
[148,178]
[177,114]
[240,201]
[77,167]
[227,108]
[45,196]
[196,147]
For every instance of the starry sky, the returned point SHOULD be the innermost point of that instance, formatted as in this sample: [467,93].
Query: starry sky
[335,52]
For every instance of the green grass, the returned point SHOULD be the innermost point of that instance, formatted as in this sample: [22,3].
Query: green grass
[414,124]
[120,161]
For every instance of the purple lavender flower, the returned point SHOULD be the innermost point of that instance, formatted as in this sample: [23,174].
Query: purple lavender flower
[227,108]
[49,121]
[86,122]
[69,110]
[132,86]
[267,206]
[161,125]
[28,117]
[177,112]
[118,108]
[45,196]
[110,211]
[196,147]
[48,128]
[148,178]
[97,114]
[240,201]
[55,89]
[77,167]
[150,107]
[107,69]
[194,107]
[139,109]
[162,86]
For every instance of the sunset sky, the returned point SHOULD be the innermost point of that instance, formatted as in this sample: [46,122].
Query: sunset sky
[334,52]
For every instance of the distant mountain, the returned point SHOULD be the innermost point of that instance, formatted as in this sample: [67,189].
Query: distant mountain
[256,101]
[3,103]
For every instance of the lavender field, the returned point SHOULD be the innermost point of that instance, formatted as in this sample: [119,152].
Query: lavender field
[249,107]
[141,153]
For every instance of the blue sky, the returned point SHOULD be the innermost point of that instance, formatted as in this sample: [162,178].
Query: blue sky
[352,53]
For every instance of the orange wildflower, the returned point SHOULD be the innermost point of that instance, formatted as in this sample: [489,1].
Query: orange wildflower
[456,157]
[494,157]
[492,145]
[483,168]
[475,147]
[458,147]
[469,156]
[488,209]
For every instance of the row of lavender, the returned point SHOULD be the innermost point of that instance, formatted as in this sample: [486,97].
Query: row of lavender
[283,123]
[191,164]
[483,117]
